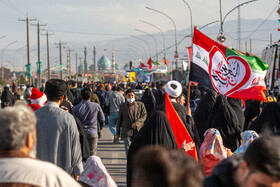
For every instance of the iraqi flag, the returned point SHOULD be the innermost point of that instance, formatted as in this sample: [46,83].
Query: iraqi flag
[180,132]
[227,71]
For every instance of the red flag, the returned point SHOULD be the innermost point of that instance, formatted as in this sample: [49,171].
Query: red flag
[150,63]
[179,130]
[190,54]
[166,62]
[142,65]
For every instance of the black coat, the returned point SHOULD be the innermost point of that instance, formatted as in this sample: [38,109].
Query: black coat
[236,105]
[7,97]
[156,131]
[252,110]
[160,96]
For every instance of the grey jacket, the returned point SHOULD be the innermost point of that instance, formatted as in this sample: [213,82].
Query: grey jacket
[115,101]
[125,121]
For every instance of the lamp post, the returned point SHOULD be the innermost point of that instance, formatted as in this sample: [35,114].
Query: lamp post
[3,50]
[221,38]
[141,46]
[191,16]
[144,42]
[153,39]
[131,48]
[163,37]
[176,46]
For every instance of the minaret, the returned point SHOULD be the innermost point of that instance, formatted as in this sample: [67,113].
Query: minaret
[94,59]
[85,61]
[113,63]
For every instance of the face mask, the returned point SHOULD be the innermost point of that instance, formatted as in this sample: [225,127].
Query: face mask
[130,100]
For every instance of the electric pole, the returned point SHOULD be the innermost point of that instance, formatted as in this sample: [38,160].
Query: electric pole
[85,61]
[69,62]
[28,66]
[48,54]
[76,66]
[94,59]
[39,63]
[60,60]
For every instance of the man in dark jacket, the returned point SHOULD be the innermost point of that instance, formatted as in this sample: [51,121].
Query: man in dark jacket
[131,118]
[259,166]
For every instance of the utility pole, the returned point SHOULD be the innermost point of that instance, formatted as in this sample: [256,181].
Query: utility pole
[60,60]
[113,63]
[39,63]
[76,66]
[239,29]
[246,46]
[85,61]
[94,59]
[28,66]
[48,54]
[69,62]
[250,46]
[270,38]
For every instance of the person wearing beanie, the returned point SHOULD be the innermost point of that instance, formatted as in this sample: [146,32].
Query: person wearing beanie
[38,99]
[57,133]
[174,90]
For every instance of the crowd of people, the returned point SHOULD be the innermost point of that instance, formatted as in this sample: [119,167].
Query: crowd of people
[236,141]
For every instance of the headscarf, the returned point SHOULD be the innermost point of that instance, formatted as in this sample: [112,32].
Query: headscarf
[269,119]
[212,145]
[247,137]
[149,101]
[156,131]
[95,174]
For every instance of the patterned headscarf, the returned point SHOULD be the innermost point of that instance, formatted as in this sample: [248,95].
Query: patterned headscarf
[212,144]
[247,137]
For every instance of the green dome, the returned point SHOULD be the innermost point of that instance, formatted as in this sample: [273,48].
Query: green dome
[91,67]
[104,63]
[80,68]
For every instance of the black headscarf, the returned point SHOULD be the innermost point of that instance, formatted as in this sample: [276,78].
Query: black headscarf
[236,105]
[195,94]
[268,120]
[160,96]
[7,97]
[203,111]
[149,101]
[156,131]
[225,120]
[252,110]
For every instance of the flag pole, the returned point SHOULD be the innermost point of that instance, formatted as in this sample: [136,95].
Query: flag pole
[189,84]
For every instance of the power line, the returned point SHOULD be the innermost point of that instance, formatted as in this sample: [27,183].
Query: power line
[262,22]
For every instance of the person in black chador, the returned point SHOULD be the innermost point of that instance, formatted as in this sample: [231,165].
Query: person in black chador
[7,98]
[149,101]
[224,118]
[156,131]
[160,94]
[203,111]
[237,106]
[268,120]
[252,110]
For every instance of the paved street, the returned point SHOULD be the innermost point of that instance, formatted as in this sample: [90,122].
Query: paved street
[113,157]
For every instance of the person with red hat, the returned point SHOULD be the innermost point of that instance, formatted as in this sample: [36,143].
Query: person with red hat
[38,99]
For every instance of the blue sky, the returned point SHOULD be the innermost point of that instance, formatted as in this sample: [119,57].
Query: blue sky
[117,17]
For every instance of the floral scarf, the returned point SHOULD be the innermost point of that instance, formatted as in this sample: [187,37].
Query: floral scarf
[212,144]
[95,174]
[247,137]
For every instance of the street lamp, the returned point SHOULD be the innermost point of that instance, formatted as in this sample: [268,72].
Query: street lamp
[135,51]
[221,38]
[153,39]
[191,16]
[144,42]
[2,36]
[3,50]
[163,37]
[141,46]
[176,47]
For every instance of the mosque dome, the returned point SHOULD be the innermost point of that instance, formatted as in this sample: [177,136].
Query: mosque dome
[104,63]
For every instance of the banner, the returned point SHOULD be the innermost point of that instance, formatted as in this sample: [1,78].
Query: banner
[229,72]
[60,68]
[39,68]
[28,70]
